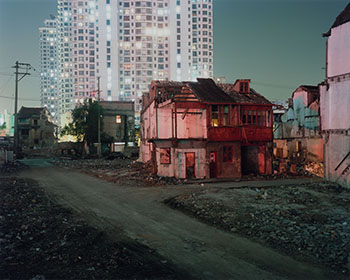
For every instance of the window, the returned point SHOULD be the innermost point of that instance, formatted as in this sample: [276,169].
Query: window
[244,87]
[165,156]
[35,122]
[118,119]
[214,115]
[228,154]
[25,131]
[225,119]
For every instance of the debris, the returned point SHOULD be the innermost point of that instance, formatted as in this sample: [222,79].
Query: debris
[310,220]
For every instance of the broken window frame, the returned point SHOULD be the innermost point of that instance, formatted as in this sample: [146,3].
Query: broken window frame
[165,155]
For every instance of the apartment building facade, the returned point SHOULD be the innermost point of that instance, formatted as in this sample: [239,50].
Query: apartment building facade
[129,43]
[48,67]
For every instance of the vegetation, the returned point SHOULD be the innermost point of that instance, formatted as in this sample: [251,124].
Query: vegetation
[84,124]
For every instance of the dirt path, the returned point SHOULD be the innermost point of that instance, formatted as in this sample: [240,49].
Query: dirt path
[203,251]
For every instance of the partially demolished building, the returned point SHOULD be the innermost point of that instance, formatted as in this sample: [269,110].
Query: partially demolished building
[335,101]
[206,130]
[297,134]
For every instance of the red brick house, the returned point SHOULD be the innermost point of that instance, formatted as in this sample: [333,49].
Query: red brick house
[206,130]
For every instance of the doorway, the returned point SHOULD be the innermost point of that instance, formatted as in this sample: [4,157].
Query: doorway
[213,164]
[250,160]
[190,165]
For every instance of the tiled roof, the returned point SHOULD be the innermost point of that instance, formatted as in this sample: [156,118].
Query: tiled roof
[207,91]
[252,97]
[27,112]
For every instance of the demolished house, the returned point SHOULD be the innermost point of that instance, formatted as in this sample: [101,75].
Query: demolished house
[335,101]
[206,130]
[297,135]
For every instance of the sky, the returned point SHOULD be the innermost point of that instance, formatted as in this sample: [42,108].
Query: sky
[277,44]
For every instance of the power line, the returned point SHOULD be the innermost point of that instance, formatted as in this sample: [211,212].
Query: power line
[5,84]
[272,85]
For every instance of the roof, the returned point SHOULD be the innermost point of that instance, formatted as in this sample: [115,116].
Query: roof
[310,89]
[342,18]
[207,91]
[27,112]
[252,97]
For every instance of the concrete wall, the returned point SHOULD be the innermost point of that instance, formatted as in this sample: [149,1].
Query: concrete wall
[338,55]
[335,104]
[336,148]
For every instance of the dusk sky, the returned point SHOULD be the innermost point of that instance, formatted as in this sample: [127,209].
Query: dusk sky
[277,44]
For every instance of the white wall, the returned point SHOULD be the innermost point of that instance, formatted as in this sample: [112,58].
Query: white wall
[339,50]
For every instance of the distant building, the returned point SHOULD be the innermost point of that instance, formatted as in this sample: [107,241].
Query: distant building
[335,101]
[206,130]
[35,128]
[6,124]
[119,121]
[297,134]
[49,95]
[129,43]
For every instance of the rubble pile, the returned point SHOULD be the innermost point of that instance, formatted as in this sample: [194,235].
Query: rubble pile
[119,170]
[285,168]
[40,240]
[315,168]
[310,222]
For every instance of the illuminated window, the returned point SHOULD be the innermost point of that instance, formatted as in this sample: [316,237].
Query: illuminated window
[214,115]
[118,119]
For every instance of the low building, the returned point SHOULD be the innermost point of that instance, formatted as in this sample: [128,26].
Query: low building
[206,130]
[335,101]
[119,122]
[297,134]
[35,128]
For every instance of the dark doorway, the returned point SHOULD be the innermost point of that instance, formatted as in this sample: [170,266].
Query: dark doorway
[250,160]
[213,165]
[190,165]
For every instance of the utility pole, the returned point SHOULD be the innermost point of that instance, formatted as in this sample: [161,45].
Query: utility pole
[19,66]
[99,148]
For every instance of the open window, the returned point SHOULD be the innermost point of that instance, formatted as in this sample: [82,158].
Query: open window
[165,156]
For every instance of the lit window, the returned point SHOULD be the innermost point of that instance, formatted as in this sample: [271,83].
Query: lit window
[214,115]
[118,119]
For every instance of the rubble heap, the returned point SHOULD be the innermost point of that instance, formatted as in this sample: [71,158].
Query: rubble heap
[311,221]
[121,170]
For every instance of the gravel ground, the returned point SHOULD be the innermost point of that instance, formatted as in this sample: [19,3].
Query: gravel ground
[40,240]
[310,222]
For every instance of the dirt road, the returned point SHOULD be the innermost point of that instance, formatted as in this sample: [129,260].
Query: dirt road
[203,251]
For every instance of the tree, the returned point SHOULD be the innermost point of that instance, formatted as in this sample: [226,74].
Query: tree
[84,123]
